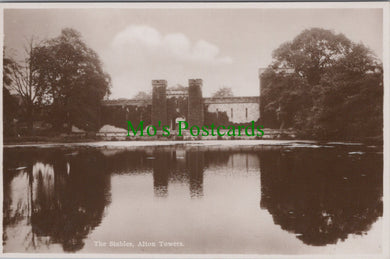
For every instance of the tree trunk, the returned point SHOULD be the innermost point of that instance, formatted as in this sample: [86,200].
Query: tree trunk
[30,119]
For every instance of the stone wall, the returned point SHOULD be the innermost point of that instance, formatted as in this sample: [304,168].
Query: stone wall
[236,110]
[186,103]
[118,115]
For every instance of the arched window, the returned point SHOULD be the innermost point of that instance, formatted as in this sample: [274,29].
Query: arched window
[231,112]
[246,113]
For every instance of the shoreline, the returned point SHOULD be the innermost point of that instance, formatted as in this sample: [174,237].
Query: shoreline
[191,143]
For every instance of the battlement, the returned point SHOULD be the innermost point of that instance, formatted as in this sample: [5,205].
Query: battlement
[193,82]
[127,102]
[177,93]
[159,83]
[159,102]
[228,100]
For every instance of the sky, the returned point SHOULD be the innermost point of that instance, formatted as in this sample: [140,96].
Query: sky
[223,46]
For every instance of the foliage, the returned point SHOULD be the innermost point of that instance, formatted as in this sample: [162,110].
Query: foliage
[21,78]
[9,102]
[141,95]
[73,80]
[325,86]
[178,87]
[7,70]
[223,92]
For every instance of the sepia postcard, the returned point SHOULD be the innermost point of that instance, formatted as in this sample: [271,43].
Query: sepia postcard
[195,130]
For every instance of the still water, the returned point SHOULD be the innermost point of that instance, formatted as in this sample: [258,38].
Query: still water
[193,199]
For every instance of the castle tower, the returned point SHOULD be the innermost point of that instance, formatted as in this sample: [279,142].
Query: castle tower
[195,102]
[159,102]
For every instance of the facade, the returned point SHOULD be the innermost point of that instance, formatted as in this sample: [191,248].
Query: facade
[170,105]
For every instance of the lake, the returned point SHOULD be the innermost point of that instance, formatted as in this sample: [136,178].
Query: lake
[286,198]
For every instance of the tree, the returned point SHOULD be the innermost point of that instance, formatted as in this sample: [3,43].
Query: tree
[223,92]
[143,96]
[178,87]
[283,96]
[9,102]
[325,86]
[74,80]
[7,70]
[312,52]
[21,77]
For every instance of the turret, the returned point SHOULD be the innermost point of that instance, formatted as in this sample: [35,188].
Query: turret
[159,102]
[195,102]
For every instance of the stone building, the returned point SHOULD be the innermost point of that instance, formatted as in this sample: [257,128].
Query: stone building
[170,105]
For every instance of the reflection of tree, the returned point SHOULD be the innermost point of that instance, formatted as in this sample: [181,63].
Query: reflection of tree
[125,162]
[319,196]
[81,198]
[60,195]
[66,198]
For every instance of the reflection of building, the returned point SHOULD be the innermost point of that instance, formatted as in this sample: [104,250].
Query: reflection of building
[178,165]
[231,160]
[168,104]
[188,166]
[318,200]
[61,198]
[195,165]
[161,172]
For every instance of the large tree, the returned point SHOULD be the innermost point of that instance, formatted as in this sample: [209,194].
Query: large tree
[74,80]
[21,78]
[325,86]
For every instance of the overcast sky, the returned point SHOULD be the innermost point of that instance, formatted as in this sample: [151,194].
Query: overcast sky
[224,47]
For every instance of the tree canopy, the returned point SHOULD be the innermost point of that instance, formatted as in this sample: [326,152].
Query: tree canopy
[73,79]
[325,86]
[223,92]
[142,95]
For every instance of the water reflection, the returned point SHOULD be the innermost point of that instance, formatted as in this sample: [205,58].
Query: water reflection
[324,197]
[55,196]
[195,164]
[58,196]
[178,165]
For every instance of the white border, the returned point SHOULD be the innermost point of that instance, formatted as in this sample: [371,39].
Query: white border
[385,6]
[216,5]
